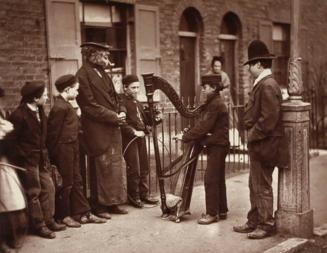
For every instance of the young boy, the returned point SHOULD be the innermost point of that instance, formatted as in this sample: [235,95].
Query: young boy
[63,145]
[135,154]
[27,143]
[211,130]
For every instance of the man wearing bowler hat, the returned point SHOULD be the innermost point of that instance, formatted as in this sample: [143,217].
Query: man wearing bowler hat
[262,120]
[102,116]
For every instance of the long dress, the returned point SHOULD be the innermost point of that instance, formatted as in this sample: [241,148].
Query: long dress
[13,222]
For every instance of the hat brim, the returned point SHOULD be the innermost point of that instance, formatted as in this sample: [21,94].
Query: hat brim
[266,57]
[96,45]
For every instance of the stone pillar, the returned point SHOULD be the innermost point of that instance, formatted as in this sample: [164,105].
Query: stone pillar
[294,215]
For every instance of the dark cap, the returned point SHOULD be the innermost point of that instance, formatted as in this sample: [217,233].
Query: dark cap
[32,89]
[258,50]
[96,45]
[128,79]
[213,79]
[65,81]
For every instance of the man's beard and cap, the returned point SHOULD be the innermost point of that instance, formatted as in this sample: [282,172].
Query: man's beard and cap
[97,54]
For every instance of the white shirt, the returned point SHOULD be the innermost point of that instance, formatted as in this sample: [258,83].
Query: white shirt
[263,74]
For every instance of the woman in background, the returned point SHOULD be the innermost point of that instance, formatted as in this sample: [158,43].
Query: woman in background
[13,222]
[217,64]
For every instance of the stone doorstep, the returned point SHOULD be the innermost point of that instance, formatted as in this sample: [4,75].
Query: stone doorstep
[321,230]
[289,246]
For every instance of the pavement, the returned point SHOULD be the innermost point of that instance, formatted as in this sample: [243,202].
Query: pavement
[142,230]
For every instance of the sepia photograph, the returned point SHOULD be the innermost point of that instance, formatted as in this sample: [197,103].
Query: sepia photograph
[181,126]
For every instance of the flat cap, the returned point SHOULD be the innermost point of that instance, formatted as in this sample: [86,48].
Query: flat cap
[32,88]
[96,45]
[128,79]
[65,81]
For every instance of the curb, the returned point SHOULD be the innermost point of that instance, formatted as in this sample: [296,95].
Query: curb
[321,230]
[289,246]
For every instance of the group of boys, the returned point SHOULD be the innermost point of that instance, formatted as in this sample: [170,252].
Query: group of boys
[38,142]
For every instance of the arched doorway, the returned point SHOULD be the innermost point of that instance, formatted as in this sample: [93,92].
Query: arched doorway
[189,30]
[230,37]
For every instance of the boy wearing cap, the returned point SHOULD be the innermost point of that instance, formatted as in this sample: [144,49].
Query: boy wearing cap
[211,130]
[63,145]
[262,120]
[101,119]
[28,145]
[134,144]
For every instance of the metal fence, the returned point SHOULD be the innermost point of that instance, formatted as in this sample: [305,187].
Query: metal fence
[173,123]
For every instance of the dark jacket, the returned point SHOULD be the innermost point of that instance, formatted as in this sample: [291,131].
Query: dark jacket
[99,104]
[212,127]
[263,120]
[27,140]
[136,118]
[262,113]
[63,124]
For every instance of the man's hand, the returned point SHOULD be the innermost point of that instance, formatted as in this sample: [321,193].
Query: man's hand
[121,118]
[178,137]
[158,116]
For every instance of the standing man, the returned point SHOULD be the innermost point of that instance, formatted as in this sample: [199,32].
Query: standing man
[102,116]
[263,121]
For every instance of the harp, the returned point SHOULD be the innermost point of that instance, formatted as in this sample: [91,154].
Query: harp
[177,204]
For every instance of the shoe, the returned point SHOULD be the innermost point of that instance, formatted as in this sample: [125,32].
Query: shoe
[222,216]
[207,219]
[70,222]
[45,232]
[244,228]
[91,218]
[54,226]
[149,200]
[104,215]
[117,210]
[135,202]
[258,233]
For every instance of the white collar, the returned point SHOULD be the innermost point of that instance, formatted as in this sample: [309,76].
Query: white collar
[263,74]
[33,107]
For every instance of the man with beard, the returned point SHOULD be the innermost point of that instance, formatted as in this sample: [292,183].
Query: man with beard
[102,116]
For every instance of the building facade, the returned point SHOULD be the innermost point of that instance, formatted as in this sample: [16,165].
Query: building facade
[40,39]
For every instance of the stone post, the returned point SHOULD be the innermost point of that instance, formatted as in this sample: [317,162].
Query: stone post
[294,215]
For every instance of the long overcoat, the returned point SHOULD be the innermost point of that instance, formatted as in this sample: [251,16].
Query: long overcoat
[99,104]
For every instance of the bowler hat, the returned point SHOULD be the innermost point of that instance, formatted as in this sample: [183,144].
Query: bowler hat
[32,88]
[65,81]
[257,50]
[128,79]
[96,45]
[212,79]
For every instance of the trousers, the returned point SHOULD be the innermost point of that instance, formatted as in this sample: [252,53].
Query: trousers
[261,194]
[214,180]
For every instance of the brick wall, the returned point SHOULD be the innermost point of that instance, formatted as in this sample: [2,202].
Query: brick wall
[23,53]
[23,50]
[211,14]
